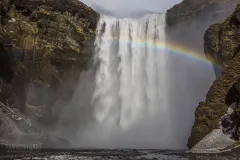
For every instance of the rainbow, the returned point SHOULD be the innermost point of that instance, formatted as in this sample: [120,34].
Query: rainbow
[171,47]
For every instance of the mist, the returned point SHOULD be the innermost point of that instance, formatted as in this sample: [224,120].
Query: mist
[187,80]
[165,124]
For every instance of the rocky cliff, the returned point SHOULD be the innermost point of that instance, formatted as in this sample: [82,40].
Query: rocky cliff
[188,20]
[221,43]
[186,24]
[42,43]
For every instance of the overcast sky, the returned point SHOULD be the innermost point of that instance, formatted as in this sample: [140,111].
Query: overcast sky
[128,7]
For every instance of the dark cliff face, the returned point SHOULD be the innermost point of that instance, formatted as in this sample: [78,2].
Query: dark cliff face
[42,44]
[221,44]
[221,40]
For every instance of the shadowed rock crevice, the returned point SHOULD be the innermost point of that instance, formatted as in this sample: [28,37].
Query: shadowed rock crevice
[233,94]
[231,121]
[6,71]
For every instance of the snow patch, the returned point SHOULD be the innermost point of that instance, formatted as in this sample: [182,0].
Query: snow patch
[214,142]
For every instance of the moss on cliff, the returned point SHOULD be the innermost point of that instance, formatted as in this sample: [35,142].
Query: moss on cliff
[42,40]
[221,44]
[222,40]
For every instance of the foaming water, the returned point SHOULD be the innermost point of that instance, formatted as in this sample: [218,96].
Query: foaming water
[130,81]
[130,97]
[135,96]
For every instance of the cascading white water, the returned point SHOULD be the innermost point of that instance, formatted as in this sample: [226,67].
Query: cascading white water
[137,94]
[129,103]
[130,81]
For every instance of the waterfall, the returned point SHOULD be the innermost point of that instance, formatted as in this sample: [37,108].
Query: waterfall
[137,93]
[130,80]
[129,100]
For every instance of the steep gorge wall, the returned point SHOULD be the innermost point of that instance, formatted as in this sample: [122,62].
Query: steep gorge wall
[187,23]
[221,43]
[42,44]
